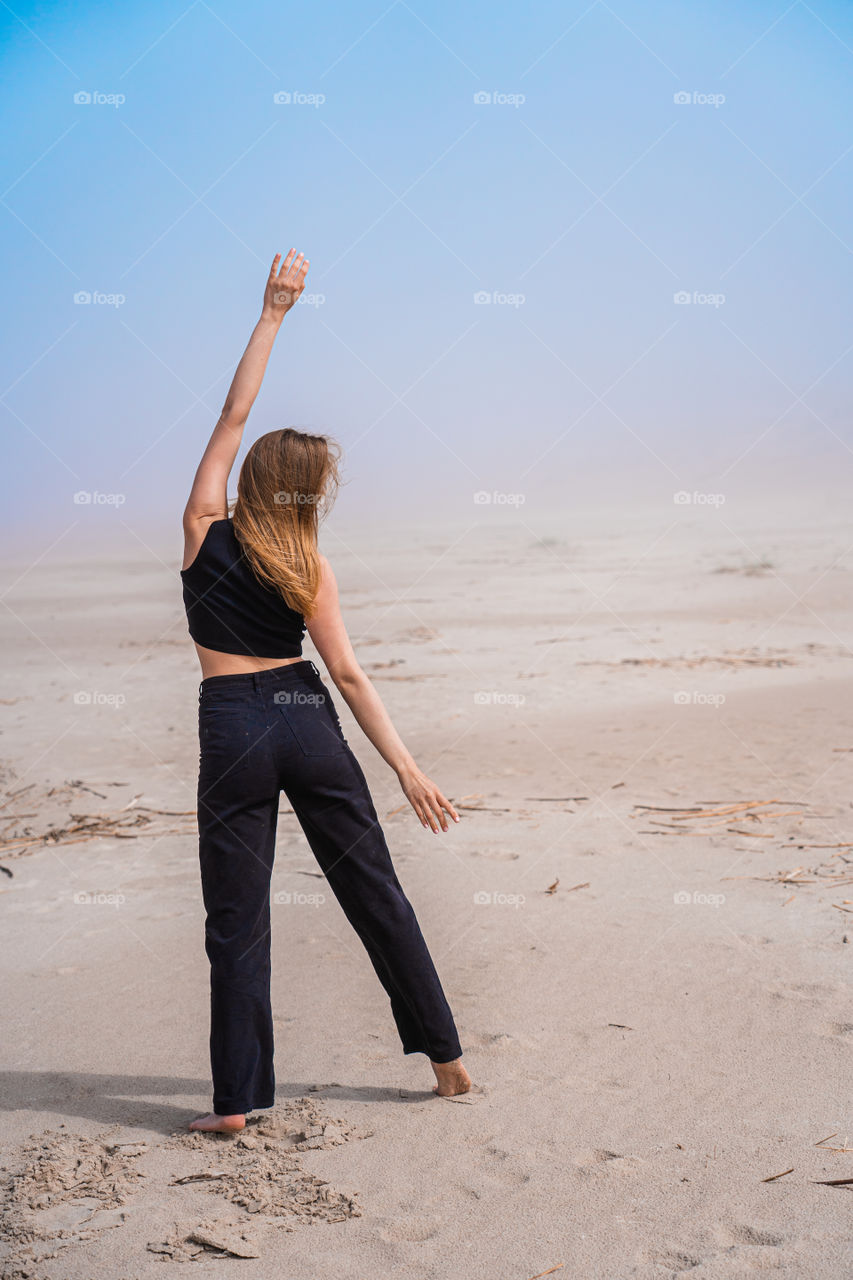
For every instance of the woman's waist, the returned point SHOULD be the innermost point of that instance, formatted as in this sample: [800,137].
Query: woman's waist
[287,671]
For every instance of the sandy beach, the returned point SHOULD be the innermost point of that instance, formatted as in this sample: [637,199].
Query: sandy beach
[643,921]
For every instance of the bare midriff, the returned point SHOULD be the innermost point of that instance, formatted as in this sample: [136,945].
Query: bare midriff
[214,663]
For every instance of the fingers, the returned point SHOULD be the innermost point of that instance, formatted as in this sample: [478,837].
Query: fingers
[285,266]
[434,802]
[447,806]
[293,271]
[431,806]
[426,820]
[424,815]
[436,809]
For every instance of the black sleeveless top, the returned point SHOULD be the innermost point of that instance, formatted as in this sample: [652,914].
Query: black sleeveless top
[228,607]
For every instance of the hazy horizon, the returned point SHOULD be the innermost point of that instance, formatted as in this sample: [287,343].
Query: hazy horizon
[667,280]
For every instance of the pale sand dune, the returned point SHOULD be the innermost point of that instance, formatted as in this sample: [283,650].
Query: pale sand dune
[642,1063]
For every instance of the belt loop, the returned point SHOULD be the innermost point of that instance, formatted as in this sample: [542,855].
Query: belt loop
[256,680]
[313,668]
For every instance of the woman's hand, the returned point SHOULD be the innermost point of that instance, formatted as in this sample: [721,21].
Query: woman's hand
[426,800]
[284,284]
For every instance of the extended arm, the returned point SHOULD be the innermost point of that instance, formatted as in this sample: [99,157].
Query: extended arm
[208,496]
[329,635]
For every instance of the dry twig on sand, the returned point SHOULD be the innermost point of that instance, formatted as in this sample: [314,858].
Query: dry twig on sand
[774,1176]
[129,822]
[734,658]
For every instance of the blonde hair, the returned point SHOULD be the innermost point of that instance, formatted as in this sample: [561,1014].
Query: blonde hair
[287,483]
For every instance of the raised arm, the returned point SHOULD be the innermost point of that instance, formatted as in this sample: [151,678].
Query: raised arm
[329,635]
[208,496]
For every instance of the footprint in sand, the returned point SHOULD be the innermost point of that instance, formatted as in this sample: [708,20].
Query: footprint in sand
[802,991]
[673,1259]
[599,1160]
[488,1040]
[744,1234]
[411,1227]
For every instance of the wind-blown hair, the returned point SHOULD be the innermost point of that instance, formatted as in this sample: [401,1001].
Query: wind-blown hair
[287,484]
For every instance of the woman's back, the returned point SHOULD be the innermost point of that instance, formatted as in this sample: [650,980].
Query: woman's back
[229,609]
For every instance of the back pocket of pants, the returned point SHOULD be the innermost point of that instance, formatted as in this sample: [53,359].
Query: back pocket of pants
[312,719]
[224,742]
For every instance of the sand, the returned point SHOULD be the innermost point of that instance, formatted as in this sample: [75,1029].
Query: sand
[654,1005]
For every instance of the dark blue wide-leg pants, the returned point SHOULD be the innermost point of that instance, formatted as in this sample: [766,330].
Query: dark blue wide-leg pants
[261,733]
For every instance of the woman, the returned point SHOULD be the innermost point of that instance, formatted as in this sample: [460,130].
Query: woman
[267,724]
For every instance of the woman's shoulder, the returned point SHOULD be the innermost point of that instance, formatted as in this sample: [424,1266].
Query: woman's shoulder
[197,537]
[327,576]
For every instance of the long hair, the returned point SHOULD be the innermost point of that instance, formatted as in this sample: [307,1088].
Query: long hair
[287,483]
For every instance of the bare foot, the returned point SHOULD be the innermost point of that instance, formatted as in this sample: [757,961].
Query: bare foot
[452,1078]
[212,1123]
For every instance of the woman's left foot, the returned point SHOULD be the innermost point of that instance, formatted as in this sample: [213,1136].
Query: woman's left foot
[452,1078]
[212,1123]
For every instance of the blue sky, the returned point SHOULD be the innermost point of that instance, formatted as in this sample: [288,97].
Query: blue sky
[580,200]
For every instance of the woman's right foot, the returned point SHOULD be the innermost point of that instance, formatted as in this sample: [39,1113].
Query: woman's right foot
[452,1078]
[212,1123]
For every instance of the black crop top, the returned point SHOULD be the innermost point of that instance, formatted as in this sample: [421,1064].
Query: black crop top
[228,607]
